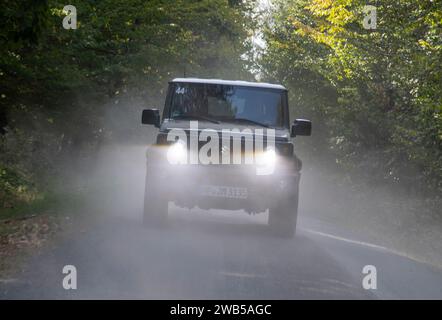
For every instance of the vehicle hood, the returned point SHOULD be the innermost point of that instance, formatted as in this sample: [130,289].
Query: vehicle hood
[281,134]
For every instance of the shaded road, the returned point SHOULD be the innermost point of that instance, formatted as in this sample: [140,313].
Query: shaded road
[210,254]
[219,255]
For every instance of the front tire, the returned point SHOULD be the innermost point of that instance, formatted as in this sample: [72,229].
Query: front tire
[283,217]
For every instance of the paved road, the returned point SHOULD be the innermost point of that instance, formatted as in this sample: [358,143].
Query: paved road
[219,255]
[210,254]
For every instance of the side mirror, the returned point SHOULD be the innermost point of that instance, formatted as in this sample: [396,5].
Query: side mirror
[151,116]
[301,127]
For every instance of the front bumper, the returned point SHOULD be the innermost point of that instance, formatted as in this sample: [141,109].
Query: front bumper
[236,186]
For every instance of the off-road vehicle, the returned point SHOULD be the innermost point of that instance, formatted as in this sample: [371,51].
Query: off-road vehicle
[224,145]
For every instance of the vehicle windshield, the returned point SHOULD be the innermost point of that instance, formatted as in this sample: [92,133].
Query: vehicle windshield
[216,103]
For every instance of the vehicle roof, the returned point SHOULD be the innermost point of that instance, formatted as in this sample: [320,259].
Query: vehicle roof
[231,83]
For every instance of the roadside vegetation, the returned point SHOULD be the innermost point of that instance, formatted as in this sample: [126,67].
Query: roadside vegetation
[66,93]
[374,96]
[57,85]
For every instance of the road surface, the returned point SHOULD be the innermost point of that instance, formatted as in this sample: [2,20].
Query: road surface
[219,255]
[210,254]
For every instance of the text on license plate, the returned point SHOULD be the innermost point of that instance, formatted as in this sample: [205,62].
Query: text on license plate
[224,192]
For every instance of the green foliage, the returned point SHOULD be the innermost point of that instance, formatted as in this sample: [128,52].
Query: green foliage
[374,94]
[14,187]
[58,86]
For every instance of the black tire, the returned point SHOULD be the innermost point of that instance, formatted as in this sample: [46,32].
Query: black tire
[283,217]
[155,204]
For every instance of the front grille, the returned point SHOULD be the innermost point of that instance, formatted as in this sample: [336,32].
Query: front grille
[233,149]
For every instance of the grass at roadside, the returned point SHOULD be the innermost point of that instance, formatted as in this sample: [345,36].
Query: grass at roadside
[26,227]
[46,202]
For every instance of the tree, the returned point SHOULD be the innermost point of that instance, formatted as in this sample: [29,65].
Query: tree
[57,85]
[386,117]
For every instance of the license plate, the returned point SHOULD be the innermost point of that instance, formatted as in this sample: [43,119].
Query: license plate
[224,192]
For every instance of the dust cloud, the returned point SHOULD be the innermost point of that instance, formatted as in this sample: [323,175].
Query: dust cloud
[221,254]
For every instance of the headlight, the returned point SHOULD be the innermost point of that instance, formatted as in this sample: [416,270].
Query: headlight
[266,162]
[177,153]
[266,158]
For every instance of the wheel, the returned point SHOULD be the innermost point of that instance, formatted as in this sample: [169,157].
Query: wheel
[283,216]
[155,204]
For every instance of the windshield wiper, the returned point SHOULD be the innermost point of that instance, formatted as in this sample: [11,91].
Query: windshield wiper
[196,117]
[251,121]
